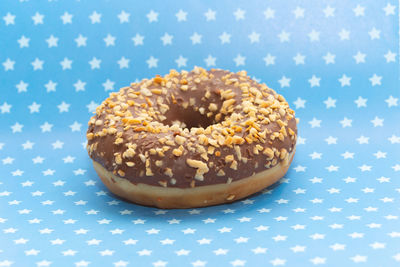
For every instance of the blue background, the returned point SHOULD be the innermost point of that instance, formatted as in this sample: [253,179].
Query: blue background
[317,215]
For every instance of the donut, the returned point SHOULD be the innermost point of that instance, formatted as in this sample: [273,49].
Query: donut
[192,139]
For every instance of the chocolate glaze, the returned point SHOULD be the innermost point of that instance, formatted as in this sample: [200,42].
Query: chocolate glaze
[104,150]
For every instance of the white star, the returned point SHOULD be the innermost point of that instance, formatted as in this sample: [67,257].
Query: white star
[368,190]
[92,106]
[298,248]
[152,231]
[390,56]
[264,210]
[159,263]
[359,11]
[189,231]
[298,12]
[109,40]
[394,139]
[391,101]
[108,85]
[269,13]
[317,236]
[239,60]
[359,57]
[181,15]
[347,155]
[329,12]
[374,33]
[224,230]
[27,145]
[194,211]
[346,122]
[284,36]
[209,220]
[389,9]
[239,14]
[79,86]
[81,231]
[314,81]
[198,263]
[152,62]
[82,263]
[317,201]
[315,123]
[375,80]
[138,39]
[66,63]
[43,263]
[8,64]
[37,64]
[284,82]
[31,252]
[123,17]
[329,58]
[37,18]
[126,212]
[69,252]
[300,168]
[123,63]
[377,121]
[120,263]
[210,61]
[210,15]
[277,262]
[52,41]
[299,103]
[63,107]
[167,39]
[225,38]
[95,63]
[139,221]
[50,86]
[57,144]
[152,16]
[269,60]
[66,18]
[130,241]
[279,238]
[174,221]
[22,87]
[238,262]
[396,167]
[364,168]
[181,61]
[80,40]
[9,19]
[95,17]
[144,252]
[7,160]
[363,140]
[182,252]
[46,231]
[377,245]
[330,103]
[314,36]
[361,102]
[247,201]
[344,34]
[106,252]
[299,59]
[358,258]
[261,228]
[315,155]
[17,128]
[318,260]
[220,251]
[204,241]
[21,241]
[338,246]
[37,193]
[34,107]
[5,108]
[254,37]
[23,42]
[349,180]
[298,227]
[344,80]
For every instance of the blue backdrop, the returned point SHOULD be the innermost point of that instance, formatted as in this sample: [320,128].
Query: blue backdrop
[337,64]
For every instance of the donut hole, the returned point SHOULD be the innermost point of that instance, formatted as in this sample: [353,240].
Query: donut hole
[188,117]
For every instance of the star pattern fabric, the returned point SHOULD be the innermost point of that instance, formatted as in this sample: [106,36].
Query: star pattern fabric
[336,63]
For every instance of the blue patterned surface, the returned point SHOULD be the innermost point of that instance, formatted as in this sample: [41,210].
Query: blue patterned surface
[337,64]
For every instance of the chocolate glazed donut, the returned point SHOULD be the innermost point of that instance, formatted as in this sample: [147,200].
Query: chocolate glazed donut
[192,139]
